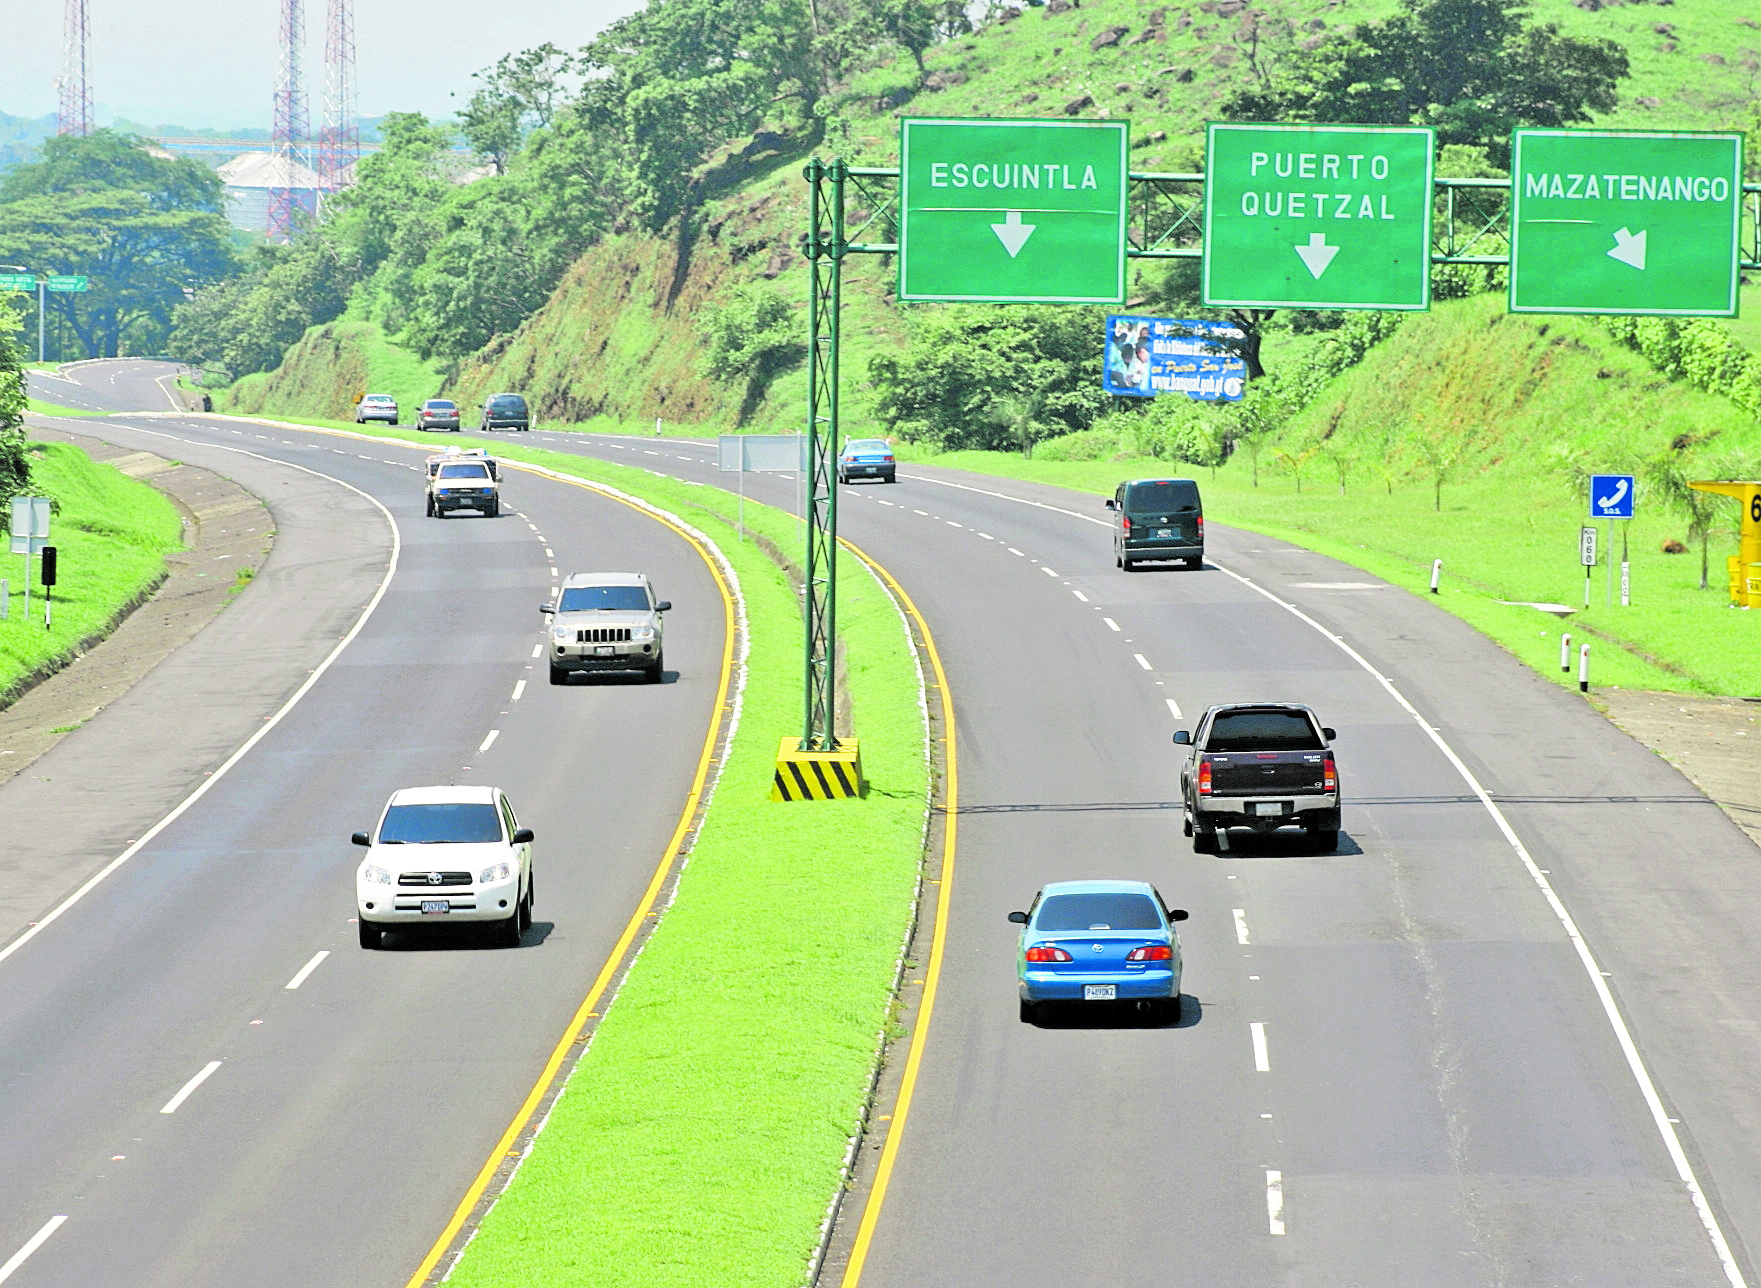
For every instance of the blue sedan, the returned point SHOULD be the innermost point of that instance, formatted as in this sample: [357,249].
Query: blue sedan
[1099,941]
[867,458]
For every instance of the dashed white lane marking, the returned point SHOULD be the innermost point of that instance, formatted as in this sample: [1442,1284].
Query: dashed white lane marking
[1014,551]
[1143,661]
[1261,1062]
[1240,925]
[1174,708]
[1047,571]
[554,573]
[36,1241]
[307,969]
[487,742]
[188,1087]
[555,591]
[987,536]
[537,649]
[886,503]
[952,524]
[549,553]
[519,689]
[1080,595]
[1275,1200]
[1111,624]
[924,513]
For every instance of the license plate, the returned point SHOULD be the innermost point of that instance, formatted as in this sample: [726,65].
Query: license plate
[1268,807]
[604,650]
[1100,992]
[1164,532]
[436,905]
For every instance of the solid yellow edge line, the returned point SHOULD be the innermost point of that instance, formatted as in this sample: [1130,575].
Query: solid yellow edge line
[919,1035]
[463,1212]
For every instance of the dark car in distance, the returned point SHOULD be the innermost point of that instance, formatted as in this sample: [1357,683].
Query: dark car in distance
[1157,519]
[505,411]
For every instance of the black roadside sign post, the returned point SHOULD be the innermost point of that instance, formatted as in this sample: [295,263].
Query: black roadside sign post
[49,571]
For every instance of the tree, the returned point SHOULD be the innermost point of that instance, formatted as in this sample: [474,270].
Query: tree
[1472,69]
[1668,473]
[522,92]
[753,336]
[15,462]
[141,228]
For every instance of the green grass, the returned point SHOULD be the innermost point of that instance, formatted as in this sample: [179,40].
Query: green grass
[322,374]
[112,534]
[38,407]
[701,1136]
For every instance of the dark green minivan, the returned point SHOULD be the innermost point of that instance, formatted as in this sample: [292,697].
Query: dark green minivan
[1157,519]
[505,411]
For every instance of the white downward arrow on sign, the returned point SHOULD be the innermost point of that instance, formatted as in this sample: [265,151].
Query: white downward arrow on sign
[1629,248]
[1013,233]
[1317,254]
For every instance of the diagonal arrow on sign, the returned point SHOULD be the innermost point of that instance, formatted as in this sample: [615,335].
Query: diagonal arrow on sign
[1629,248]
[1013,233]
[1317,254]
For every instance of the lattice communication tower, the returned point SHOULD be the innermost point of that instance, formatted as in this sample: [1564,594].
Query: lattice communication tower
[75,114]
[290,132]
[340,140]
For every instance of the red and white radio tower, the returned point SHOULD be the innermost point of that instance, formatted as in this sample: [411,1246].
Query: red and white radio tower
[289,132]
[75,116]
[339,143]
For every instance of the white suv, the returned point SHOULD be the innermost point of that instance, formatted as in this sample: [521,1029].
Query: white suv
[445,854]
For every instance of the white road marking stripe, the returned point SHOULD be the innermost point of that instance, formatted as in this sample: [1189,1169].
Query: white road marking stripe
[493,735]
[1261,1062]
[537,649]
[307,969]
[987,536]
[924,513]
[1174,708]
[554,573]
[1047,571]
[1275,1200]
[207,1070]
[1240,925]
[1143,661]
[1079,595]
[952,524]
[36,1241]
[1111,624]
[1014,551]
[549,553]
[518,690]
[554,592]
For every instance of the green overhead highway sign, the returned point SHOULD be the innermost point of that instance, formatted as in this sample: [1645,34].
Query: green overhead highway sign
[1012,211]
[1625,222]
[63,282]
[1318,216]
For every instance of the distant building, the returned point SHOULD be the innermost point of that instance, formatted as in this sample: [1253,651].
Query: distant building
[250,177]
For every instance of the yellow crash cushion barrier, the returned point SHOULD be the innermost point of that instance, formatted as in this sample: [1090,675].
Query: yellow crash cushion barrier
[817,775]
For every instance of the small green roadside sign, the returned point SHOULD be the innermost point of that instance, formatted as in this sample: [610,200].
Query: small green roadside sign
[1318,216]
[1625,222]
[18,281]
[66,282]
[1008,211]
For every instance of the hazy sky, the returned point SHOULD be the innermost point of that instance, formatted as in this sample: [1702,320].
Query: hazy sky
[211,63]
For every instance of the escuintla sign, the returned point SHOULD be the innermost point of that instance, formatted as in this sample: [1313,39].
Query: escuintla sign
[1318,216]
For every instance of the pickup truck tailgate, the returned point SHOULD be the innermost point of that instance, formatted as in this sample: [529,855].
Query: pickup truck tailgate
[1261,773]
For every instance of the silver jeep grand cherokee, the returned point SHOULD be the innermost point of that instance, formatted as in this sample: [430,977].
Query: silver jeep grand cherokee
[605,621]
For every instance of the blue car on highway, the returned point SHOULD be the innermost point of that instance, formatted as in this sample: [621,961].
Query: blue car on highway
[1099,941]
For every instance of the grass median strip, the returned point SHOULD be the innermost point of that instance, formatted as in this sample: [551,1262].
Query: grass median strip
[112,534]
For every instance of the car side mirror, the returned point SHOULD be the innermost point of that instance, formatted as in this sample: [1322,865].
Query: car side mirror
[1178,914]
[1110,503]
[1019,918]
[522,835]
[360,838]
[663,605]
[1328,734]
[547,609]
[1183,737]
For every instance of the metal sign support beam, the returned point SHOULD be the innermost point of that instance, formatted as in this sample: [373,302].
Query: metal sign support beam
[826,247]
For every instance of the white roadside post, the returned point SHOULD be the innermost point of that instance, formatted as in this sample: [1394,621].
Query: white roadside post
[1583,668]
[1565,653]
[1436,574]
[5,598]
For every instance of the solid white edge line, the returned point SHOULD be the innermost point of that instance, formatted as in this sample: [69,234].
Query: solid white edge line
[307,969]
[258,735]
[171,1105]
[1262,1063]
[37,1240]
[1143,661]
[1240,925]
[1275,1200]
[489,741]
[1629,1048]
[1174,708]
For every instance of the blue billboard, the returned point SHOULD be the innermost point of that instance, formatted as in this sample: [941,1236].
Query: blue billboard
[1149,356]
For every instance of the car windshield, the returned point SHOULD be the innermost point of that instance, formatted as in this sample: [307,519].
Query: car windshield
[604,599]
[1263,731]
[440,824]
[1168,496]
[464,470]
[867,445]
[1098,912]
[438,406]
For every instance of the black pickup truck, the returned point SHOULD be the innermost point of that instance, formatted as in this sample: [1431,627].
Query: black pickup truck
[1262,766]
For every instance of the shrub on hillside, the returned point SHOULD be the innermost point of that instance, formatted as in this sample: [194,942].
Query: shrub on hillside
[1696,350]
[15,466]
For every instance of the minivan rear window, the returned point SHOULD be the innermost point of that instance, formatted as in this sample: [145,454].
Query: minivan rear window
[1169,496]
[1263,731]
[1098,912]
[507,402]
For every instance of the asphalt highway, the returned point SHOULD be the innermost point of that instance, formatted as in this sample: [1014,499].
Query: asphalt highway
[1449,1054]
[203,1079]
[1496,1039]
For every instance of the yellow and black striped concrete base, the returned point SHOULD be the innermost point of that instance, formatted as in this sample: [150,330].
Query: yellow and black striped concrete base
[817,775]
